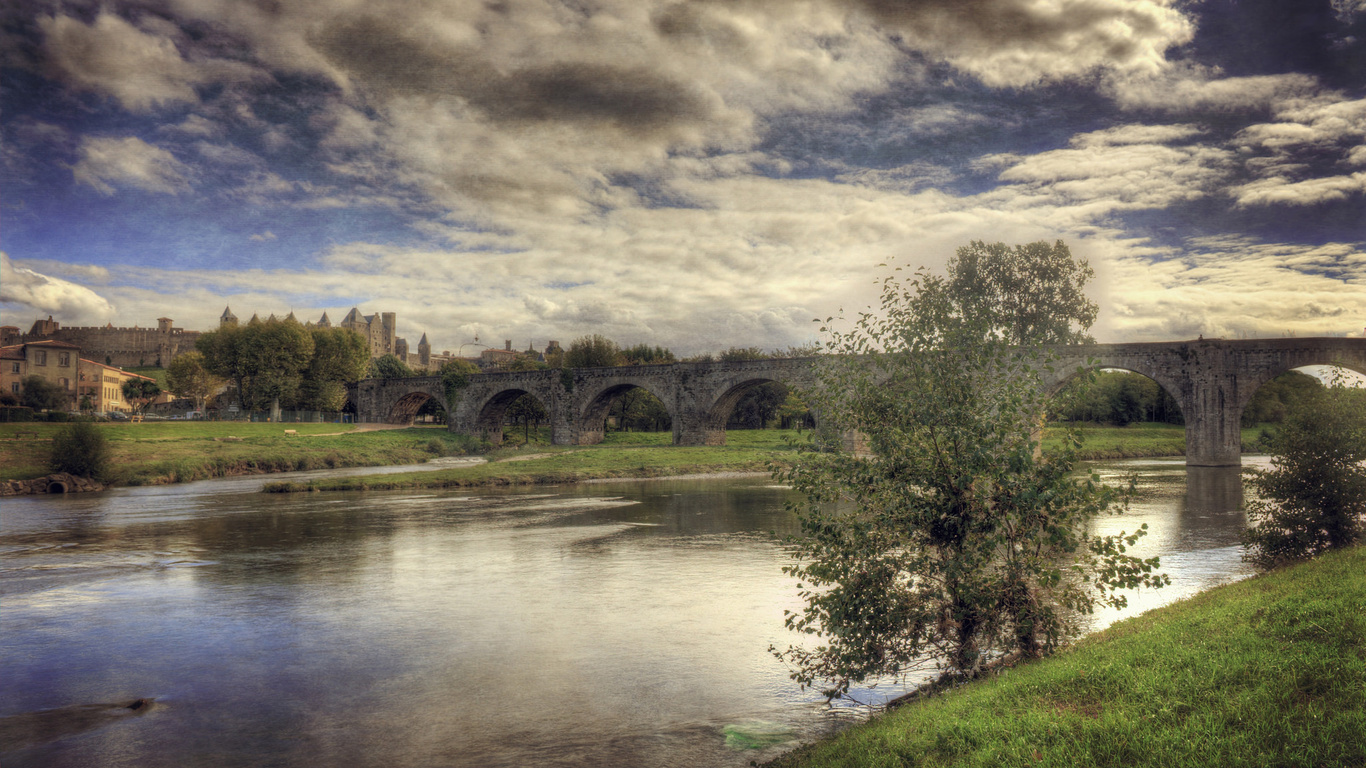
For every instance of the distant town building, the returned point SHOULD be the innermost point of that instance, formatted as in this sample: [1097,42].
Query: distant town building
[90,386]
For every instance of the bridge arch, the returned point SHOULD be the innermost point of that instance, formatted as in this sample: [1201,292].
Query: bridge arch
[1170,388]
[404,410]
[1247,389]
[593,417]
[493,411]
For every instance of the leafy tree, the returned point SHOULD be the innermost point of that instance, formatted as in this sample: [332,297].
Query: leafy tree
[42,395]
[951,541]
[594,351]
[340,356]
[638,410]
[525,410]
[389,367]
[188,376]
[455,377]
[737,354]
[1313,498]
[265,359]
[1031,294]
[644,354]
[140,392]
[80,449]
[1274,400]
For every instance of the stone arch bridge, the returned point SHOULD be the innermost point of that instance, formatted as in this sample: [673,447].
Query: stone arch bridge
[1211,379]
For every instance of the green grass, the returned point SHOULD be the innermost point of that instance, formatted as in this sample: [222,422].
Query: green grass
[620,455]
[169,452]
[1270,671]
[151,372]
[177,451]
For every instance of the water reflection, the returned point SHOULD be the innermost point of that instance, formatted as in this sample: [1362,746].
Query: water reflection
[614,624]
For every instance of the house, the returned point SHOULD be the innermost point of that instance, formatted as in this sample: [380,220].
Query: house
[100,387]
[54,361]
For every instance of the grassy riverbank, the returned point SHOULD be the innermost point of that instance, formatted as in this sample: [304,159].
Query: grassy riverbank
[1267,671]
[168,452]
[171,452]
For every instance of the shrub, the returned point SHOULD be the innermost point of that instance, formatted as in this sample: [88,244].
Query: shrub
[1313,498]
[80,449]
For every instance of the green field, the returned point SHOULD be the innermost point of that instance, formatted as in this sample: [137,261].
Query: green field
[170,452]
[1270,671]
[178,451]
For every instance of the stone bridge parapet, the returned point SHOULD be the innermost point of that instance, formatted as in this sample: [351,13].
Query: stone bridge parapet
[1211,379]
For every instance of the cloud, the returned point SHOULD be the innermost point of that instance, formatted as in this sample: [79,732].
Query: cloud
[111,56]
[1235,287]
[106,162]
[263,237]
[39,293]
[1018,43]
[1188,87]
[1279,190]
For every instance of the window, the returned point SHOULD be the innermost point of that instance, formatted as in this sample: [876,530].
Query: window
[14,368]
[14,387]
[64,359]
[66,383]
[40,357]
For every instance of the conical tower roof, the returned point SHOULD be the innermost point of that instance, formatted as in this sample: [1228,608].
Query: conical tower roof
[227,314]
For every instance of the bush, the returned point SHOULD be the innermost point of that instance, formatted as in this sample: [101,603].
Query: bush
[80,449]
[1313,498]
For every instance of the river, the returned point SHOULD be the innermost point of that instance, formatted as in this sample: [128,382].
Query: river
[621,624]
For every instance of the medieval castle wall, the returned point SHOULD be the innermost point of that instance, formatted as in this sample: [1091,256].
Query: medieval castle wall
[122,347]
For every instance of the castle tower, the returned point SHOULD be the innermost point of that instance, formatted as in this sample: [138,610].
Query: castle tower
[401,349]
[164,324]
[390,326]
[228,318]
[424,352]
[324,322]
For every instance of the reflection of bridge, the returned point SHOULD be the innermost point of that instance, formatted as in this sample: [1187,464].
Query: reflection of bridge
[1211,379]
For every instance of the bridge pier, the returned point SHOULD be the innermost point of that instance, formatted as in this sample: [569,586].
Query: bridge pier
[1214,435]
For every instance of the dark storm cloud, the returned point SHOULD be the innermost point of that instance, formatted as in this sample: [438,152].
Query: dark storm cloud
[400,59]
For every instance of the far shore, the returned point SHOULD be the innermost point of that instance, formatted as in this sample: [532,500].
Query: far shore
[172,452]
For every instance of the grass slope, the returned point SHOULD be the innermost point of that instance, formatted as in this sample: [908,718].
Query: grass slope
[1270,671]
[169,452]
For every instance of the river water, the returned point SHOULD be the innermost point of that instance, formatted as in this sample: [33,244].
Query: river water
[621,624]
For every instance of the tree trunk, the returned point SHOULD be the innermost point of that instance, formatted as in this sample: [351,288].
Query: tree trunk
[275,410]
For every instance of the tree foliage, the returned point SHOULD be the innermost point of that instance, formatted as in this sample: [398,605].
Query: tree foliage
[340,356]
[1275,400]
[188,376]
[1032,293]
[1118,397]
[951,541]
[455,377]
[140,392]
[1313,498]
[644,354]
[389,367]
[264,359]
[42,395]
[594,351]
[79,448]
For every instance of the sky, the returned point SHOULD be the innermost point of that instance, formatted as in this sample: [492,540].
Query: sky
[696,174]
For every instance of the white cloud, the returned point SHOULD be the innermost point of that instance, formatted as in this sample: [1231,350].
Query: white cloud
[263,237]
[24,290]
[107,162]
[142,70]
[1279,190]
[1189,87]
